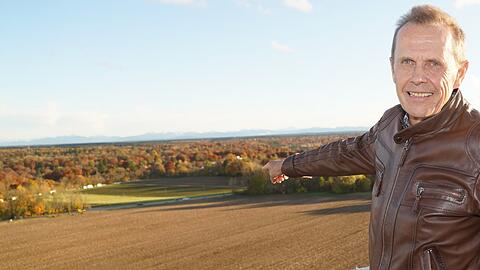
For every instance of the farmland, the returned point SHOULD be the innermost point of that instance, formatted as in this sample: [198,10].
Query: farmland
[28,173]
[166,188]
[299,231]
[316,230]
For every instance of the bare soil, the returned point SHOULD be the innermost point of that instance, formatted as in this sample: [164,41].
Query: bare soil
[301,231]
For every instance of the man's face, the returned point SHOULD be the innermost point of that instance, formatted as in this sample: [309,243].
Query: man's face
[424,69]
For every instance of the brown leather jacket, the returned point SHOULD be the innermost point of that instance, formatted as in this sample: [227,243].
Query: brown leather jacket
[425,211]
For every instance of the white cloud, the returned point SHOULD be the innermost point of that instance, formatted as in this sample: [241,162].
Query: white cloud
[181,2]
[463,3]
[281,47]
[254,4]
[305,5]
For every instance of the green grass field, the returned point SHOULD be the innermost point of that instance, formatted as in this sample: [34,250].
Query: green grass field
[155,190]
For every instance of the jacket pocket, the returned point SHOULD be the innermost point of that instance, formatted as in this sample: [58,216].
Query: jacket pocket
[431,260]
[444,197]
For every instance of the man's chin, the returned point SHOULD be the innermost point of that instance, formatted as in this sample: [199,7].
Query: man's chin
[418,117]
[418,112]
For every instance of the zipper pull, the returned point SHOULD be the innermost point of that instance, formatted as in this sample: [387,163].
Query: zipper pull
[406,146]
[420,190]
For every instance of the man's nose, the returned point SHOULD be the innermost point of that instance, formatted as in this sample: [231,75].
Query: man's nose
[418,75]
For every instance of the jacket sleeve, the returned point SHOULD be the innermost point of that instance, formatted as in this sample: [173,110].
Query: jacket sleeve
[350,156]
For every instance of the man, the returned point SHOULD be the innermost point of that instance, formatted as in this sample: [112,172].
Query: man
[425,153]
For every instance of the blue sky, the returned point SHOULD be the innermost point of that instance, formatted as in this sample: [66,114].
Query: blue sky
[130,67]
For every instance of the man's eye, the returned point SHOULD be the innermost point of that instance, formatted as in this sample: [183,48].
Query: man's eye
[407,62]
[434,66]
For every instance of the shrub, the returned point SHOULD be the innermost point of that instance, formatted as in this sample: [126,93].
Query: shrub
[343,184]
[326,183]
[257,183]
[260,184]
[312,184]
[271,188]
[301,189]
[76,203]
[293,185]
[39,208]
[25,201]
[363,183]
[317,184]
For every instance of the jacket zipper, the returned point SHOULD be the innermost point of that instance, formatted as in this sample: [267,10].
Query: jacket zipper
[427,260]
[406,147]
[431,256]
[418,196]
[455,197]
[379,186]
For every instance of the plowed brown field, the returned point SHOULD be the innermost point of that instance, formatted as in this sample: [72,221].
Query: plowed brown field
[301,231]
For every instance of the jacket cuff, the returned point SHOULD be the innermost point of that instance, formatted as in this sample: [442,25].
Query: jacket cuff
[288,167]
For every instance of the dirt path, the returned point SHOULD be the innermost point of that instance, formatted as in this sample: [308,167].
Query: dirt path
[304,231]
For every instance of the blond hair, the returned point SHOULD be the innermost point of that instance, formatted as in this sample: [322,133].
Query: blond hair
[427,14]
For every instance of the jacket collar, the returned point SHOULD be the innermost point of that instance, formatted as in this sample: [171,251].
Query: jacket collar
[449,113]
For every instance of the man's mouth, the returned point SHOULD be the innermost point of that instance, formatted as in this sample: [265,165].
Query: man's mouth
[419,94]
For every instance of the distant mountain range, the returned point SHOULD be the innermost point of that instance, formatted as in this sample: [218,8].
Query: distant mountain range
[176,136]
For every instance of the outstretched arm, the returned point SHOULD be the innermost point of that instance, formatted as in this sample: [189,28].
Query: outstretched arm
[344,157]
[354,155]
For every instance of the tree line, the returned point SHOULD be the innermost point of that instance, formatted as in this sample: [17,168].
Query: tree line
[38,170]
[87,164]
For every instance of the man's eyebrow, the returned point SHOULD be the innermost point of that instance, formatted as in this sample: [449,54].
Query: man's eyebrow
[436,61]
[402,58]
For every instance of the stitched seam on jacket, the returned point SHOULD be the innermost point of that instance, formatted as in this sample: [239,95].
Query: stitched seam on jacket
[453,120]
[470,155]
[380,141]
[426,165]
[475,191]
[391,114]
[467,143]
[414,242]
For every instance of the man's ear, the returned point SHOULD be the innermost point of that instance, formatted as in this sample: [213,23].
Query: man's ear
[462,70]
[392,69]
